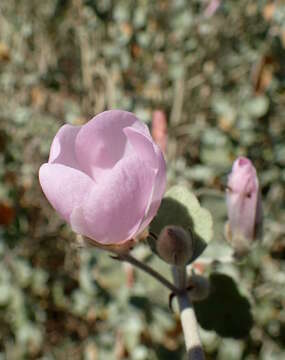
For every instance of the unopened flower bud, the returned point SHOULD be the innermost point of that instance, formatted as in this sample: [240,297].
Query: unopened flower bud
[244,207]
[159,129]
[174,245]
[199,287]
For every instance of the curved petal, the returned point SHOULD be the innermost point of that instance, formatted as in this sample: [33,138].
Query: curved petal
[64,187]
[116,205]
[62,149]
[158,190]
[143,146]
[151,154]
[78,222]
[104,135]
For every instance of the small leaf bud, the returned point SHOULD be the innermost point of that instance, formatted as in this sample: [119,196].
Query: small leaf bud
[174,245]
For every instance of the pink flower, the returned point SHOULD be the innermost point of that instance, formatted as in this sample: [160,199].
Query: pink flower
[243,204]
[105,178]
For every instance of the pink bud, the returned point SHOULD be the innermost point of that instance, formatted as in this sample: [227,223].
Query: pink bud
[244,205]
[130,274]
[212,7]
[159,129]
[105,178]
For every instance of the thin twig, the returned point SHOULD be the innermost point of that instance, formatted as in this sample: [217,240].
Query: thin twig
[177,106]
[175,114]
[188,317]
[130,259]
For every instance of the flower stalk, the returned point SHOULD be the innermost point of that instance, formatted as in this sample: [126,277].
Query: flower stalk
[187,313]
[188,318]
[147,269]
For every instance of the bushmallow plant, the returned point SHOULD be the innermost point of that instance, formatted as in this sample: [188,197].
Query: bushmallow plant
[243,206]
[105,178]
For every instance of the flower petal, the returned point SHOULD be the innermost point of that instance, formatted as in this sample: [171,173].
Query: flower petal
[63,147]
[151,154]
[64,187]
[103,134]
[158,190]
[78,222]
[143,146]
[115,207]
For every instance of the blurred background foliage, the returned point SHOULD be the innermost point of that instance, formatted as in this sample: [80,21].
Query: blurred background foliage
[216,68]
